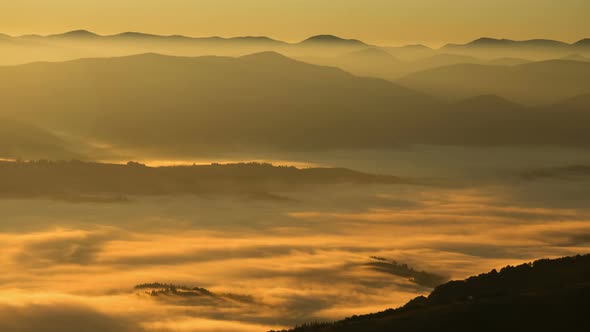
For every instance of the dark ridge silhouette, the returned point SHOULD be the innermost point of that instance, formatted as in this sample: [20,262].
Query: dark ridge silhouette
[266,95]
[133,35]
[269,102]
[130,36]
[270,57]
[415,47]
[492,42]
[480,42]
[140,35]
[547,295]
[75,34]
[534,83]
[86,180]
[583,43]
[330,40]
[422,278]
[485,41]
[535,49]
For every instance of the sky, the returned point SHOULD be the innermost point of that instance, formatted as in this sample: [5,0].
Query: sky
[390,22]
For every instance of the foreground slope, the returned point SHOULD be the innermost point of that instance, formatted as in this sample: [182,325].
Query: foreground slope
[547,295]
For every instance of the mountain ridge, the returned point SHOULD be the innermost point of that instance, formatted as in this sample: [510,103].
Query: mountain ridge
[321,38]
[546,295]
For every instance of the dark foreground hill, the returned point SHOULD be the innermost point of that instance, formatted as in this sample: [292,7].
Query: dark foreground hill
[95,181]
[547,295]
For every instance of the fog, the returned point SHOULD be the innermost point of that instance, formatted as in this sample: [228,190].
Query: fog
[275,264]
[152,183]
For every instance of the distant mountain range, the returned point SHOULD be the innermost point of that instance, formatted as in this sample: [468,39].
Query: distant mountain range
[355,56]
[22,140]
[491,42]
[547,295]
[534,83]
[84,35]
[534,49]
[318,39]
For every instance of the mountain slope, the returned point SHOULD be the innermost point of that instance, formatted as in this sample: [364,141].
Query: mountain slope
[181,106]
[539,49]
[547,295]
[534,83]
[373,62]
[21,140]
[330,40]
[160,101]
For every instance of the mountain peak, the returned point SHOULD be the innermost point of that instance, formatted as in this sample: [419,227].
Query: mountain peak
[331,39]
[133,34]
[267,56]
[584,42]
[490,41]
[260,39]
[76,34]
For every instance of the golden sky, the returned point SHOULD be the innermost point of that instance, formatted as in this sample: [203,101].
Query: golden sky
[378,21]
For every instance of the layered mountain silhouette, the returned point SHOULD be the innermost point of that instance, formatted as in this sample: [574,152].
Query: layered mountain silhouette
[491,42]
[396,64]
[184,105]
[535,83]
[584,43]
[547,295]
[96,181]
[180,103]
[83,43]
[534,49]
[332,40]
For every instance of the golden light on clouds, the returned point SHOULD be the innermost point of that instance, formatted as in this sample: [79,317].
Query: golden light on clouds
[309,263]
[155,183]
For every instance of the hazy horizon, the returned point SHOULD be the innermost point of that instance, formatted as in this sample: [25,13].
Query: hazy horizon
[376,21]
[326,180]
